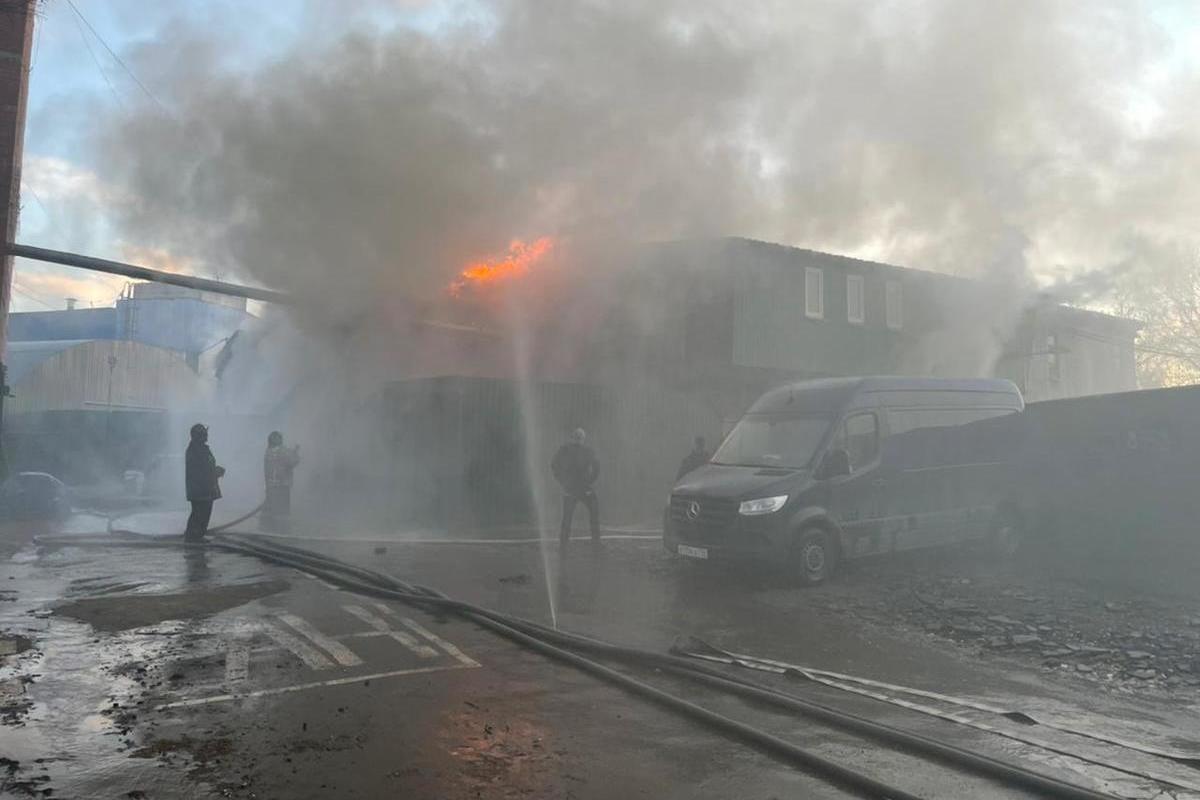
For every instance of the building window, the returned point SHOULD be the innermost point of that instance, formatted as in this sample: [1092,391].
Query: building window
[814,293]
[894,306]
[856,312]
[1053,365]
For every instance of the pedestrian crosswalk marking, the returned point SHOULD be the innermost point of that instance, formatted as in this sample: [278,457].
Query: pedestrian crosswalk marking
[458,655]
[311,656]
[342,654]
[237,663]
[381,626]
[250,639]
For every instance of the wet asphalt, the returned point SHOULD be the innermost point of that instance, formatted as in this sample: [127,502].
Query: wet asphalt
[160,673]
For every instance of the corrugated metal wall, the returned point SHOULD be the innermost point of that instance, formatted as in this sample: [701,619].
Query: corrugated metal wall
[144,377]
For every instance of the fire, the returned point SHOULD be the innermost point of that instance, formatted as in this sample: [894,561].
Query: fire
[520,258]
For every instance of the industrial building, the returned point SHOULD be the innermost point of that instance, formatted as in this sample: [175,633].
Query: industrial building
[683,341]
[92,388]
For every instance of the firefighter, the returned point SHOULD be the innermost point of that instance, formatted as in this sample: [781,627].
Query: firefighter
[576,469]
[695,459]
[203,483]
[279,463]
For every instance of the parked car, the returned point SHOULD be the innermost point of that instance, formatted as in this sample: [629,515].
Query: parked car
[164,476]
[821,471]
[33,496]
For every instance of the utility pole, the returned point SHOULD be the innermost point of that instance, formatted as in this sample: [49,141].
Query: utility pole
[16,37]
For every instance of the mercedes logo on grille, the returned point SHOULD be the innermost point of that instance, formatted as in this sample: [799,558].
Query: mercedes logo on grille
[693,510]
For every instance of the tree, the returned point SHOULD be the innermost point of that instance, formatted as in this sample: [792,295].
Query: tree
[1167,303]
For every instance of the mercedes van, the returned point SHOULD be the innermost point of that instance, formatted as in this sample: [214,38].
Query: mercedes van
[826,470]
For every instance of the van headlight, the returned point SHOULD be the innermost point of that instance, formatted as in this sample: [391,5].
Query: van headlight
[763,505]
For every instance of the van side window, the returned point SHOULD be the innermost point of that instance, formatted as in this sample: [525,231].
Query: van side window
[861,440]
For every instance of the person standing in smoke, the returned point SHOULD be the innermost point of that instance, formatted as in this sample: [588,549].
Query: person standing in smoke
[695,459]
[279,464]
[576,469]
[202,476]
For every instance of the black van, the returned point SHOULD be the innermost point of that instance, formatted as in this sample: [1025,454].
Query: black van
[829,469]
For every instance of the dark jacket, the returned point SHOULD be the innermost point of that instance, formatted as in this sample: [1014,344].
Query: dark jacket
[693,460]
[202,473]
[575,468]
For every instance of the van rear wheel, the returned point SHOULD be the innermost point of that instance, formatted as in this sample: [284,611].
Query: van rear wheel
[814,556]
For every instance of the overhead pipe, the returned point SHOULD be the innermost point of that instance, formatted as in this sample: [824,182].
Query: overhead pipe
[145,273]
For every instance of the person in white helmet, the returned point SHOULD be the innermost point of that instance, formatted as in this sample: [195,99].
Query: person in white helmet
[576,469]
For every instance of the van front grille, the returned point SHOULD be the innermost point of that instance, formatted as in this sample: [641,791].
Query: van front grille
[702,519]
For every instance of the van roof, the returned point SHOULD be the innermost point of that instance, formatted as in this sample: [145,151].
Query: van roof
[827,394]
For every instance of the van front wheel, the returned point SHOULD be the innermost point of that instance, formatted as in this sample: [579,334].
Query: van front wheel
[815,556]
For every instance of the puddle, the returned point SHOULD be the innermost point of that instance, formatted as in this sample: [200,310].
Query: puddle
[126,612]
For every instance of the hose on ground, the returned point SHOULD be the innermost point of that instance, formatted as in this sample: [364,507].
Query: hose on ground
[551,642]
[392,588]
[222,527]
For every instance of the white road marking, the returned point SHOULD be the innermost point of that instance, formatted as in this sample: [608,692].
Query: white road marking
[646,534]
[237,663]
[342,654]
[459,655]
[381,626]
[301,649]
[224,698]
[462,657]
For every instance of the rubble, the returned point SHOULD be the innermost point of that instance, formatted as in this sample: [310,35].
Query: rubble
[1140,643]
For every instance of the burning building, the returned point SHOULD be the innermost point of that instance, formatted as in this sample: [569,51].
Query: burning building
[678,343]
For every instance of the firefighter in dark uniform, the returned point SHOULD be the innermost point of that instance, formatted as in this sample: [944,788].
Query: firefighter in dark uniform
[279,464]
[203,483]
[576,469]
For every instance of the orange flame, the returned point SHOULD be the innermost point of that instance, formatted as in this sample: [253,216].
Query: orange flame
[521,257]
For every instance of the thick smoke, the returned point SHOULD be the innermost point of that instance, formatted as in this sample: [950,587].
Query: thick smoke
[979,138]
[1026,142]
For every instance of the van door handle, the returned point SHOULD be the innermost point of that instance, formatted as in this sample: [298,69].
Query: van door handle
[879,483]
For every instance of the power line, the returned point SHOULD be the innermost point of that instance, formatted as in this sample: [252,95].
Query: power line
[26,188]
[96,61]
[116,57]
[26,293]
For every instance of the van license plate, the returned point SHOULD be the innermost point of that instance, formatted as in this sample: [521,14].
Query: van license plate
[693,552]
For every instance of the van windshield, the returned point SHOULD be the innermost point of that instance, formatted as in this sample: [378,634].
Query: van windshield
[772,441]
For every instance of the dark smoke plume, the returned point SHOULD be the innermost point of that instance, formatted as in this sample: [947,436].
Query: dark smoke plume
[1007,139]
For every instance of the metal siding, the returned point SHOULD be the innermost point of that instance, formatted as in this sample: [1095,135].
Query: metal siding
[77,379]
[771,331]
[79,323]
[185,324]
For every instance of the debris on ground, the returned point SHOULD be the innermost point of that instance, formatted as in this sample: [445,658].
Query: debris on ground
[1136,642]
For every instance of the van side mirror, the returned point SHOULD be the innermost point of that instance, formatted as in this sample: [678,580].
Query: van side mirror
[835,464]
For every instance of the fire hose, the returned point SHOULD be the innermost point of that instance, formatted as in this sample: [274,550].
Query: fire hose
[553,643]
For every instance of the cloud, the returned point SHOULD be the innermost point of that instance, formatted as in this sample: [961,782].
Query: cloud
[57,179]
[38,288]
